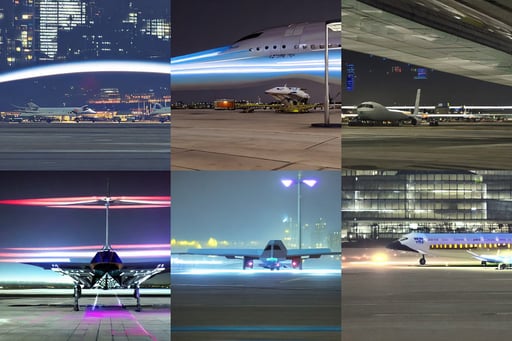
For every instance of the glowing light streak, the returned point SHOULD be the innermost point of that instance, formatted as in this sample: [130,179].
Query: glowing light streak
[35,260]
[92,207]
[94,202]
[91,247]
[88,254]
[87,67]
[199,55]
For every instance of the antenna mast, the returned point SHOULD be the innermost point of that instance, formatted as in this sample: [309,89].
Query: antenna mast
[107,205]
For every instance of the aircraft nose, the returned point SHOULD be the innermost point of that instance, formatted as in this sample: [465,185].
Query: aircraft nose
[396,245]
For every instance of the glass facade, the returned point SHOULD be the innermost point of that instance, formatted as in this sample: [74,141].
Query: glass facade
[386,204]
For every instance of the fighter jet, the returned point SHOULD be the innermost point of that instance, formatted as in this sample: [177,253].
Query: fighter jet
[106,269]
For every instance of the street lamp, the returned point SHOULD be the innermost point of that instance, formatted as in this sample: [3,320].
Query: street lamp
[299,181]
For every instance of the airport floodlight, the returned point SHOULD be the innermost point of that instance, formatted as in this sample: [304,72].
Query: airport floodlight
[299,181]
[287,182]
[309,182]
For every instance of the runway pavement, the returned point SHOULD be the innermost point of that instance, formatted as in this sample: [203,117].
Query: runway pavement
[256,305]
[84,146]
[48,315]
[382,302]
[262,140]
[470,145]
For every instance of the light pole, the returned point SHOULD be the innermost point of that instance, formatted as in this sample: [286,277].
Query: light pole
[299,181]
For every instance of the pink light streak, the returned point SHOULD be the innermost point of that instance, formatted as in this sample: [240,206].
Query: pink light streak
[91,247]
[94,202]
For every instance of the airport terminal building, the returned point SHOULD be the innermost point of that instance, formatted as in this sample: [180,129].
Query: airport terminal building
[383,205]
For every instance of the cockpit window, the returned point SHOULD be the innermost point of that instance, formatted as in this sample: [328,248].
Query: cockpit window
[403,239]
[365,105]
[269,247]
[250,36]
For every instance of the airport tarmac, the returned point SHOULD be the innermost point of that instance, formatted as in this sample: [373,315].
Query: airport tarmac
[404,301]
[261,140]
[256,305]
[84,146]
[34,315]
[470,145]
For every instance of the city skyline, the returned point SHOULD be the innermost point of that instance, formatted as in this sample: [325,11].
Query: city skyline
[104,30]
[250,206]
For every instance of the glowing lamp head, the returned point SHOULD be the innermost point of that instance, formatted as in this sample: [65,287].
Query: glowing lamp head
[287,182]
[309,182]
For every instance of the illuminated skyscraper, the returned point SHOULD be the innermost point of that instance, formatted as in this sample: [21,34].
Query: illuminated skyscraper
[55,15]
[17,31]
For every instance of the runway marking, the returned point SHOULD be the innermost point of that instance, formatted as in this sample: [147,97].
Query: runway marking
[256,329]
[292,280]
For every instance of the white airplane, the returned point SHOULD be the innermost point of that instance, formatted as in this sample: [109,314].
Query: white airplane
[370,112]
[159,109]
[33,110]
[273,257]
[288,95]
[295,50]
[485,247]
[367,113]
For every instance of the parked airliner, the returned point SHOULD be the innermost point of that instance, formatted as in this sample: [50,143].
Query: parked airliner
[33,110]
[369,112]
[485,247]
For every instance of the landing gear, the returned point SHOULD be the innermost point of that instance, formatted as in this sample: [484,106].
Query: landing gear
[248,263]
[77,292]
[423,261]
[136,294]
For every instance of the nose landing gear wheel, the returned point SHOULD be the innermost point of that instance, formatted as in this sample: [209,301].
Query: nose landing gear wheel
[423,261]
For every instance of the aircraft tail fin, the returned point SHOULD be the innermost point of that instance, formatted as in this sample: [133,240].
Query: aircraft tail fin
[32,106]
[417,103]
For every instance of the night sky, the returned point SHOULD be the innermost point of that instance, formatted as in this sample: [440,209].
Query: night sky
[29,226]
[375,81]
[248,206]
[199,25]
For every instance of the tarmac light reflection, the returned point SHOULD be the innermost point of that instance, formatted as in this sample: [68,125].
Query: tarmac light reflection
[214,272]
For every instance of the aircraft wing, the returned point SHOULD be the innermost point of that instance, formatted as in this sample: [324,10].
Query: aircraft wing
[79,272]
[461,39]
[133,274]
[491,258]
[309,253]
[136,273]
[228,253]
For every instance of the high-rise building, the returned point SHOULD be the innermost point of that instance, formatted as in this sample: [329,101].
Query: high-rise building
[53,16]
[17,33]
